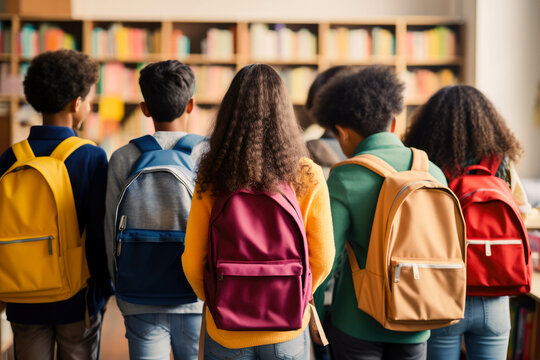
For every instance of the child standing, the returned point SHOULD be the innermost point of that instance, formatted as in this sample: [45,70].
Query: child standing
[60,85]
[361,109]
[256,145]
[152,328]
[459,127]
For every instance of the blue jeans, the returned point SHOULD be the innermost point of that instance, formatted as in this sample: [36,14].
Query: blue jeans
[295,349]
[485,327]
[151,336]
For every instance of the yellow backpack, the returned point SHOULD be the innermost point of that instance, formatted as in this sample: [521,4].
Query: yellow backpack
[41,250]
[414,277]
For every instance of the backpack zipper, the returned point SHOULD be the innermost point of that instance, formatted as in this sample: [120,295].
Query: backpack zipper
[121,228]
[416,266]
[489,243]
[18,241]
[477,190]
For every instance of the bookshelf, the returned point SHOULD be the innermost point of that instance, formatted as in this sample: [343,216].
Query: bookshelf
[217,49]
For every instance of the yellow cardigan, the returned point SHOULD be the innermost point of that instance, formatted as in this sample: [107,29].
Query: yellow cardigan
[315,206]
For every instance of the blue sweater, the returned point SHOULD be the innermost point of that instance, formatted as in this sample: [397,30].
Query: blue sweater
[87,169]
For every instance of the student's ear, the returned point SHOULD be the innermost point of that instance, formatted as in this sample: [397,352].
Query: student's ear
[393,126]
[144,109]
[75,105]
[342,134]
[190,105]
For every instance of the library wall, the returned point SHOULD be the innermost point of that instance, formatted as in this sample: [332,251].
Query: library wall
[508,69]
[284,10]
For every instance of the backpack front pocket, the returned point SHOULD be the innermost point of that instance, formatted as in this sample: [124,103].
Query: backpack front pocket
[150,268]
[486,260]
[420,288]
[30,264]
[265,295]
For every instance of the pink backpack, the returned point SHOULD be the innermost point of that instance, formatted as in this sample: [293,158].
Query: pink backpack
[258,275]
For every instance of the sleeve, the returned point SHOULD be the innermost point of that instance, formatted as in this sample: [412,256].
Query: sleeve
[319,233]
[7,159]
[116,176]
[95,244]
[341,222]
[519,192]
[194,258]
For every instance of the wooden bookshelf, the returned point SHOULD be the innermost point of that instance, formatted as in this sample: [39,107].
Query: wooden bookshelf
[163,34]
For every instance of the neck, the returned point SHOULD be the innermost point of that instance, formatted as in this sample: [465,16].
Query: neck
[178,124]
[58,119]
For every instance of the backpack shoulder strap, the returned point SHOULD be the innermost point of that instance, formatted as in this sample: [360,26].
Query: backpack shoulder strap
[187,142]
[68,146]
[23,151]
[420,161]
[146,143]
[371,162]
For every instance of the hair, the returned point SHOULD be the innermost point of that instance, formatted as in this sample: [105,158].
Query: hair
[458,126]
[366,101]
[167,87]
[55,78]
[256,142]
[322,79]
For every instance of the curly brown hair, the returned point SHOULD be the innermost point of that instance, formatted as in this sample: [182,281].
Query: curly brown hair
[458,126]
[256,142]
[55,78]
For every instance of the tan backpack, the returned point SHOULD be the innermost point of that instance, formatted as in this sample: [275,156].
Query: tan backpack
[414,277]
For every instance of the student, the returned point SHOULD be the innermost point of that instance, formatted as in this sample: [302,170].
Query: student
[152,329]
[361,110]
[257,145]
[61,85]
[458,127]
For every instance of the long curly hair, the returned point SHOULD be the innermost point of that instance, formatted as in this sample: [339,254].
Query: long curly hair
[256,142]
[458,126]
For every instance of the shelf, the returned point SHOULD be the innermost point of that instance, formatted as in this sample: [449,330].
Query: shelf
[280,62]
[441,62]
[370,61]
[201,59]
[5,57]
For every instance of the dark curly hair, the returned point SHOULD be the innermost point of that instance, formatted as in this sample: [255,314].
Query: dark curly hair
[365,101]
[55,78]
[256,142]
[458,126]
[322,79]
[167,87]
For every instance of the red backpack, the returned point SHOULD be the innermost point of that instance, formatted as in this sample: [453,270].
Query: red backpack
[258,275]
[498,253]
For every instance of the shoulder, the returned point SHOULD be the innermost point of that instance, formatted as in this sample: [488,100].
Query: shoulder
[437,173]
[126,152]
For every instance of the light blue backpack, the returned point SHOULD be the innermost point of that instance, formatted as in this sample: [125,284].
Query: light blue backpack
[151,219]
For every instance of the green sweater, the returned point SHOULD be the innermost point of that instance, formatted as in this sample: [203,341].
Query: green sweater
[354,192]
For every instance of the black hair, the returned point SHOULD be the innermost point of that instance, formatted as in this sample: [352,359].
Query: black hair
[365,101]
[167,87]
[321,80]
[55,78]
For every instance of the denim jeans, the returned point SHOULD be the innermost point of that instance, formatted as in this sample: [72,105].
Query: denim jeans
[294,349]
[485,327]
[151,336]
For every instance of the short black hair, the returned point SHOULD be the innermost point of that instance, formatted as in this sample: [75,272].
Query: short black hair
[321,80]
[167,87]
[55,78]
[365,101]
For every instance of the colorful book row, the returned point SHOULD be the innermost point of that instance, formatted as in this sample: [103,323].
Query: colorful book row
[433,44]
[360,44]
[211,82]
[282,43]
[424,83]
[116,79]
[120,42]
[298,81]
[47,37]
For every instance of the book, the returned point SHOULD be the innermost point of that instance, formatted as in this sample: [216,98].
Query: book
[124,43]
[47,37]
[422,83]
[282,43]
[433,44]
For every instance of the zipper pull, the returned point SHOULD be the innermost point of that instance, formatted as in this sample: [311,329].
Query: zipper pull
[49,240]
[397,273]
[123,223]
[119,247]
[488,249]
[416,273]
